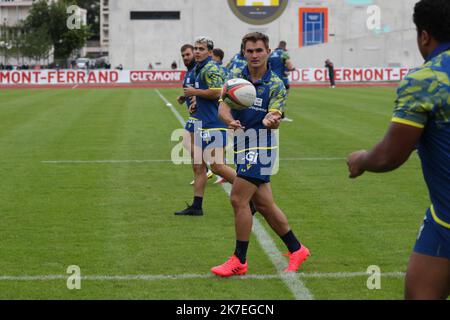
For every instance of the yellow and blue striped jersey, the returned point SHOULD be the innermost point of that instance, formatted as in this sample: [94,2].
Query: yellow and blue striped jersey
[423,101]
[208,76]
[223,70]
[277,61]
[237,64]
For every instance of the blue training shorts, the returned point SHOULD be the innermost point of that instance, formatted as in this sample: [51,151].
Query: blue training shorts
[433,239]
[256,164]
[211,138]
[190,125]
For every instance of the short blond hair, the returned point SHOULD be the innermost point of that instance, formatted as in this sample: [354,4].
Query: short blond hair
[206,41]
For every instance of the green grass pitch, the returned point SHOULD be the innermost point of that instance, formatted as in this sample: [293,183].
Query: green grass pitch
[116,219]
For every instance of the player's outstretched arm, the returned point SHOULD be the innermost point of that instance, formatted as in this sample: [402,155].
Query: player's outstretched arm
[389,154]
[214,82]
[289,65]
[227,118]
[209,94]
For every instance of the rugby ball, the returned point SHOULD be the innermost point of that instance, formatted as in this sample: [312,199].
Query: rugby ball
[239,94]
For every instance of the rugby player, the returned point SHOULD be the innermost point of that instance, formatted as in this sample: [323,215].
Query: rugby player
[281,64]
[187,54]
[237,63]
[217,56]
[253,172]
[421,120]
[209,132]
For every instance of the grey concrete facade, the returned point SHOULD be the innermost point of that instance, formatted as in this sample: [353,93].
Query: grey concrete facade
[136,43]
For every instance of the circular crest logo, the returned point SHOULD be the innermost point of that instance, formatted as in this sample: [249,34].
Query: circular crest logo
[258,12]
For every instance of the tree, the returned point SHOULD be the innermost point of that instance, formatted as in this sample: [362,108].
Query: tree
[7,42]
[38,16]
[36,44]
[93,16]
[53,18]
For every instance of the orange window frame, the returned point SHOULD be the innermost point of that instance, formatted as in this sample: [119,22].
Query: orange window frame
[312,10]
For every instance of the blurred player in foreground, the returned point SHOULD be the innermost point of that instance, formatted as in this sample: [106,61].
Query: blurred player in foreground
[422,119]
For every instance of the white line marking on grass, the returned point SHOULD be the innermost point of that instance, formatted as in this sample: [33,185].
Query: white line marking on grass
[343,275]
[162,161]
[150,277]
[290,279]
[312,159]
[168,104]
[103,161]
[296,286]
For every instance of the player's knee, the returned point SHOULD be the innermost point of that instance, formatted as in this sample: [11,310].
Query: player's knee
[237,202]
[199,169]
[265,208]
[216,168]
[188,148]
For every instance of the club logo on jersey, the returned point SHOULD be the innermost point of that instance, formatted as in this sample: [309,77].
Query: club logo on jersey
[191,121]
[258,102]
[252,157]
[257,12]
[205,136]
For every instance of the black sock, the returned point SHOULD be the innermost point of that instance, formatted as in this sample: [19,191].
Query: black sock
[197,204]
[241,250]
[291,241]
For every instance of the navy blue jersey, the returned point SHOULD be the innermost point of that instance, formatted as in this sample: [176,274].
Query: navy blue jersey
[277,61]
[424,102]
[189,81]
[208,76]
[270,96]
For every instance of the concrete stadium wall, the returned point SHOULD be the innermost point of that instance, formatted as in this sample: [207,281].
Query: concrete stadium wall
[136,43]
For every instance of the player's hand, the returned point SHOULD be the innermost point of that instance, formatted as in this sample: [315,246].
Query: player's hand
[192,107]
[272,120]
[181,99]
[235,124]
[354,162]
[190,92]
